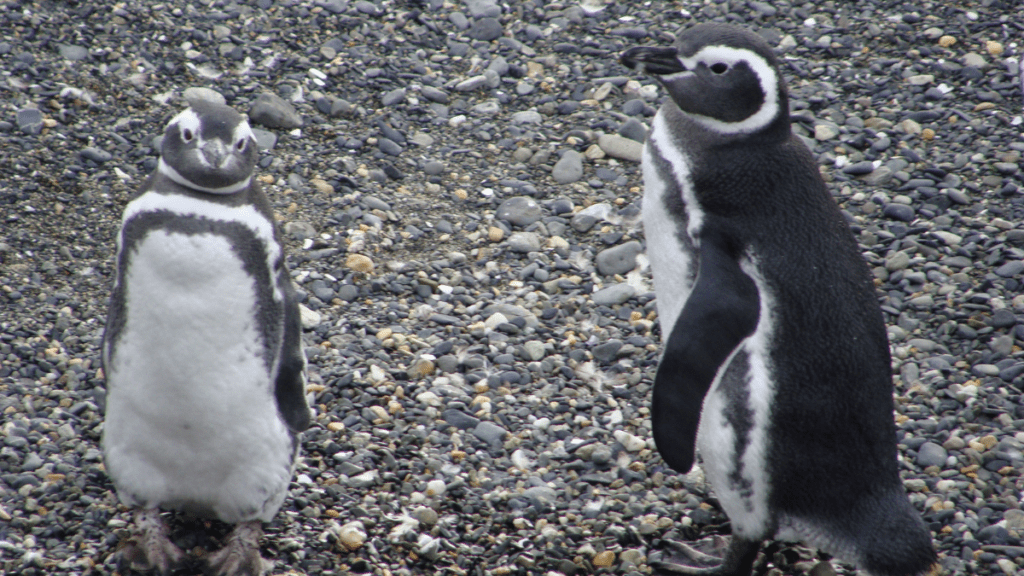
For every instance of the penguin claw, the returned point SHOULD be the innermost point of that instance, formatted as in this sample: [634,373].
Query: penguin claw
[737,561]
[241,555]
[150,549]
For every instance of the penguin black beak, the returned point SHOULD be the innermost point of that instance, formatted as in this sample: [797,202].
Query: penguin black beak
[654,60]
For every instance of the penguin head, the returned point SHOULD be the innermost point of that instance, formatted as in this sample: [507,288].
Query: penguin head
[724,77]
[210,148]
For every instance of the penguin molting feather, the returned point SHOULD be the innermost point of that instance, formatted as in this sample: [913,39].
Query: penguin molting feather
[202,348]
[776,364]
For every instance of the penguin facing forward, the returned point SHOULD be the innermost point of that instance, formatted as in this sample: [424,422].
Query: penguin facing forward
[202,348]
[776,363]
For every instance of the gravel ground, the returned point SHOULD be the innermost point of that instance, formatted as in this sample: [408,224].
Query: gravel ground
[459,189]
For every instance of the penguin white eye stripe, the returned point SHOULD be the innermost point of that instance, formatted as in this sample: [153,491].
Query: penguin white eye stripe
[187,120]
[242,132]
[766,75]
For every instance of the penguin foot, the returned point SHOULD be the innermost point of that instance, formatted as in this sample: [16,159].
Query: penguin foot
[149,549]
[737,561]
[241,555]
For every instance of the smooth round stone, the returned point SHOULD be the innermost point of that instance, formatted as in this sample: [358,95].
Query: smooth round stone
[524,242]
[389,146]
[1010,269]
[272,111]
[96,154]
[520,210]
[931,454]
[348,292]
[634,130]
[900,212]
[72,52]
[393,97]
[620,147]
[485,29]
[614,294]
[618,259]
[560,206]
[634,107]
[569,167]
[433,167]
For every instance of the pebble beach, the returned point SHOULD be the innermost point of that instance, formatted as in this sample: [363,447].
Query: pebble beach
[458,187]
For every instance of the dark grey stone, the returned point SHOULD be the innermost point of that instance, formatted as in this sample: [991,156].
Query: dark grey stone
[520,211]
[272,111]
[618,259]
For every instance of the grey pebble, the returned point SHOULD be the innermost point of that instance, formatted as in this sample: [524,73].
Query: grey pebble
[490,433]
[607,351]
[620,147]
[569,167]
[524,242]
[520,211]
[634,130]
[72,52]
[96,154]
[30,121]
[393,97]
[614,294]
[618,259]
[1010,269]
[485,29]
[272,111]
[901,212]
[931,454]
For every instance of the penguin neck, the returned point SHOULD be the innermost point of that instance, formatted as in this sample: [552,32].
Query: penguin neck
[167,170]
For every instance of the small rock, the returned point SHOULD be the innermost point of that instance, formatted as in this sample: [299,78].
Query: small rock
[485,29]
[524,242]
[634,130]
[618,259]
[621,147]
[272,111]
[359,263]
[490,433]
[202,94]
[608,351]
[614,294]
[310,318]
[931,454]
[351,536]
[520,210]
[30,121]
[630,442]
[569,167]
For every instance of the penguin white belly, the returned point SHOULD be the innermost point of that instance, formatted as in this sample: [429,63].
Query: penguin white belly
[673,263]
[732,438]
[191,421]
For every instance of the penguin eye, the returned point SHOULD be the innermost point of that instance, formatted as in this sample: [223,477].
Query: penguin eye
[187,135]
[719,68]
[240,145]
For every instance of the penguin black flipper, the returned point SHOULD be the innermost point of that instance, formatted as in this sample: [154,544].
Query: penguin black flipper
[290,384]
[722,310]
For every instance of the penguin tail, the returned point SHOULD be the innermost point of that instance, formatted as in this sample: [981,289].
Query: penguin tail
[892,540]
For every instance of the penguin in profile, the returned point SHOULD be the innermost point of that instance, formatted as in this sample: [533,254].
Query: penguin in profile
[776,363]
[202,349]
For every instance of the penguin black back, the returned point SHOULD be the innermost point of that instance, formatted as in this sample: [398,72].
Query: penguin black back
[776,361]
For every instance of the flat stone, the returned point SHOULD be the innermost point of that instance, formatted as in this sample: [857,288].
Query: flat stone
[620,147]
[490,433]
[569,167]
[202,94]
[520,211]
[95,154]
[393,97]
[900,212]
[460,419]
[72,52]
[524,242]
[585,219]
[272,111]
[485,29]
[634,130]
[931,454]
[30,121]
[1010,269]
[607,351]
[618,259]
[614,294]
